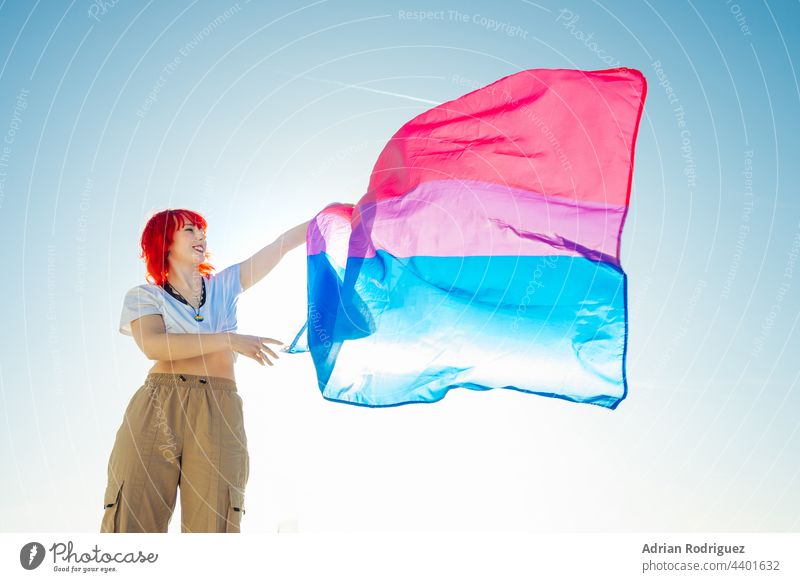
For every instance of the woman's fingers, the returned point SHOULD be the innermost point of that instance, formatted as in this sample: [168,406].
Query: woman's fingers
[263,352]
[266,349]
[263,356]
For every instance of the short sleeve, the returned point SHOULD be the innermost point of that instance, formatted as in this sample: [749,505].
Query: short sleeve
[138,302]
[229,280]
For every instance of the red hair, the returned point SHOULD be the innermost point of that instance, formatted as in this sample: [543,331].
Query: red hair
[157,237]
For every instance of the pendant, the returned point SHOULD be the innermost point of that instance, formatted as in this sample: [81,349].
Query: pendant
[198,317]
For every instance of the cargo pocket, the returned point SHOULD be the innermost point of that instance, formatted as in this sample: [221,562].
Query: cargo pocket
[235,510]
[110,506]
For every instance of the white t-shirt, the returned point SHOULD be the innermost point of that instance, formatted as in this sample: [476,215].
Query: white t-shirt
[218,311]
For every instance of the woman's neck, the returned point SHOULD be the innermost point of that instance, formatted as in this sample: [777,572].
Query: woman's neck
[187,281]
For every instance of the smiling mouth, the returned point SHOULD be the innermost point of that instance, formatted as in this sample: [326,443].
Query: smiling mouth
[199,249]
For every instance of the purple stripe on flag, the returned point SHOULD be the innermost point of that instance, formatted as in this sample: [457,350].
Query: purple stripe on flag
[467,218]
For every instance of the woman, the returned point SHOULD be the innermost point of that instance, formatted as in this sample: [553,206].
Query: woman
[184,426]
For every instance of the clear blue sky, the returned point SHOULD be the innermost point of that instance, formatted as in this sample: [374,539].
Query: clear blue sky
[259,115]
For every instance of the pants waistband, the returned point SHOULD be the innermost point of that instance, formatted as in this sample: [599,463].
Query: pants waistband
[191,381]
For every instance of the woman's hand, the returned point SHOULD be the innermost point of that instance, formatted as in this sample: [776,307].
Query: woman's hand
[254,346]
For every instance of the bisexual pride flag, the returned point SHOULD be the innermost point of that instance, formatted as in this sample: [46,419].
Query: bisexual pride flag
[485,252]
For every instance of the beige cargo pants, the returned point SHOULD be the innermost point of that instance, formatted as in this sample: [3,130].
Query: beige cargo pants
[185,431]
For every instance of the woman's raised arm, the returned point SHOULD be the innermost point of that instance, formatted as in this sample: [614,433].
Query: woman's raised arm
[252,270]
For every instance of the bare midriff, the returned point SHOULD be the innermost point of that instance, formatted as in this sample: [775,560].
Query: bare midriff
[219,364]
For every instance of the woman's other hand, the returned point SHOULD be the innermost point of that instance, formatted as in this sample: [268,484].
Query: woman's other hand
[255,347]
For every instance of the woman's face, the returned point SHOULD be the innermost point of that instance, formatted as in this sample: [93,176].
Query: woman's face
[189,245]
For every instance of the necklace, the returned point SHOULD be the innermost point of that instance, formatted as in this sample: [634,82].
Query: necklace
[172,291]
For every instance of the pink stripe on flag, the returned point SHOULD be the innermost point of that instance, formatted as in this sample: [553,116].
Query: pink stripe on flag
[564,132]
